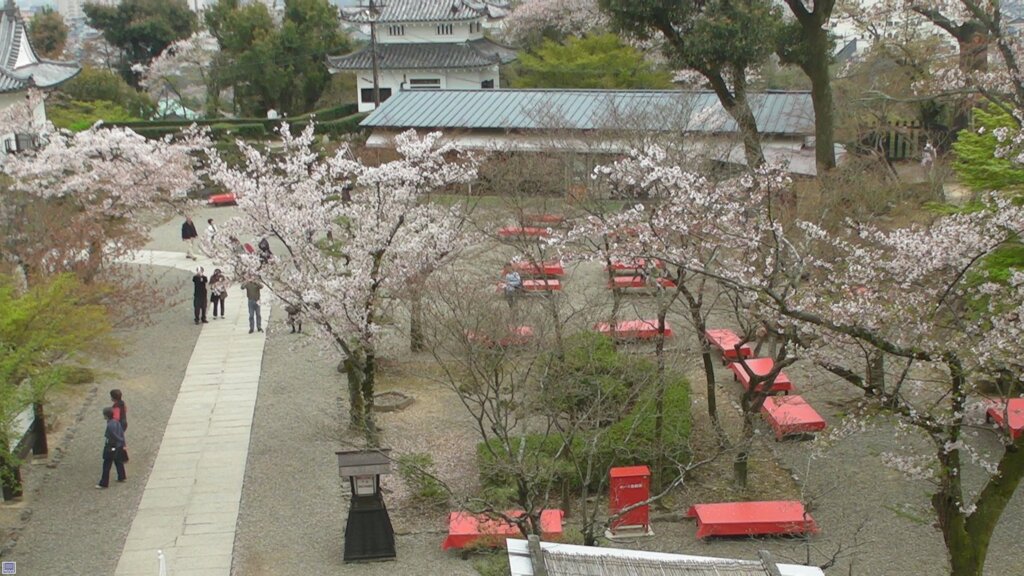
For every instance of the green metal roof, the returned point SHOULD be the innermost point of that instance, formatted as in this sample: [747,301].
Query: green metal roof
[782,113]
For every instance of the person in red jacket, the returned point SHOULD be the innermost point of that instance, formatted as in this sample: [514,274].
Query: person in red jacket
[120,410]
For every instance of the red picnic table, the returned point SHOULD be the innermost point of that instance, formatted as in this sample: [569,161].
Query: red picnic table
[545,268]
[517,336]
[999,413]
[547,219]
[632,266]
[633,329]
[225,199]
[465,528]
[626,282]
[791,415]
[522,231]
[726,340]
[752,518]
[761,367]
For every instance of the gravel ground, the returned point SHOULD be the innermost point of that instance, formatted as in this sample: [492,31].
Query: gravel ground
[72,528]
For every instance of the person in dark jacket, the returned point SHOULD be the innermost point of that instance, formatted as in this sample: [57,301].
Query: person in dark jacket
[113,449]
[189,235]
[199,282]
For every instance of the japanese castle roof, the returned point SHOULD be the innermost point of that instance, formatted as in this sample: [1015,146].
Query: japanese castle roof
[428,11]
[428,55]
[20,67]
[778,113]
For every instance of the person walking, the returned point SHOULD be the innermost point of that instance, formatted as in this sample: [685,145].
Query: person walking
[218,292]
[513,284]
[189,235]
[211,230]
[252,293]
[119,408]
[113,449]
[199,282]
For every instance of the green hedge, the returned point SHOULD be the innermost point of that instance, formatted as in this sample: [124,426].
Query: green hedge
[226,130]
[627,442]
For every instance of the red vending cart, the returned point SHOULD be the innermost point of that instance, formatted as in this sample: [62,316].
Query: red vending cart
[630,485]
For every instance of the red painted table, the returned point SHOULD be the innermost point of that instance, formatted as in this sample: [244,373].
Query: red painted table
[761,367]
[465,529]
[625,282]
[522,231]
[546,268]
[726,340]
[791,415]
[517,336]
[751,518]
[548,219]
[998,412]
[632,266]
[633,329]
[222,199]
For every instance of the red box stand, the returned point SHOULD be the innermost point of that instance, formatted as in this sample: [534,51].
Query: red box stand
[791,415]
[629,485]
[226,199]
[523,231]
[633,329]
[632,266]
[465,529]
[546,268]
[627,282]
[761,367]
[997,412]
[752,518]
[726,340]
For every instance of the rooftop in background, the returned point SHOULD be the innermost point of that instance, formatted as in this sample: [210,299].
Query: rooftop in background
[426,56]
[428,10]
[778,113]
[20,67]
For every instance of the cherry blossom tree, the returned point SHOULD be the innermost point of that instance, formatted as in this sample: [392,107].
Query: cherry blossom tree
[347,255]
[533,20]
[185,58]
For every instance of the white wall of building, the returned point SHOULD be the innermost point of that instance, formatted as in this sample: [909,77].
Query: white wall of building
[10,99]
[409,33]
[395,80]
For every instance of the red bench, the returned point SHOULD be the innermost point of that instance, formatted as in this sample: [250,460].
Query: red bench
[465,529]
[632,266]
[537,285]
[627,282]
[226,199]
[791,415]
[752,518]
[999,413]
[517,336]
[546,219]
[546,268]
[726,340]
[523,232]
[633,329]
[761,367]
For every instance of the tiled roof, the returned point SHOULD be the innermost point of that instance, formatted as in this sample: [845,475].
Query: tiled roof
[782,113]
[420,56]
[20,68]
[429,11]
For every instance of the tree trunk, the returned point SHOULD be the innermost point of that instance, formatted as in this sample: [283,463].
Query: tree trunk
[741,462]
[735,103]
[417,341]
[876,373]
[354,370]
[817,71]
[369,422]
[40,447]
[659,404]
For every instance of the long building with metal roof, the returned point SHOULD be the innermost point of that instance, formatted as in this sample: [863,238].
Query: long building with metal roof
[600,121]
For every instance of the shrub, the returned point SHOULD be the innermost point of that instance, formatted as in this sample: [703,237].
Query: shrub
[417,470]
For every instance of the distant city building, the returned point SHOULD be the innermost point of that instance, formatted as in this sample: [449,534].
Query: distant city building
[73,10]
[425,45]
[20,70]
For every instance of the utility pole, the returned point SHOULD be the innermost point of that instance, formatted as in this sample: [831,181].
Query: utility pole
[373,54]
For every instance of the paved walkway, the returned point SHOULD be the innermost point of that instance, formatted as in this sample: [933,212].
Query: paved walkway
[189,508]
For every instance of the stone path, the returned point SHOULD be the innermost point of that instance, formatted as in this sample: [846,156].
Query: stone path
[189,508]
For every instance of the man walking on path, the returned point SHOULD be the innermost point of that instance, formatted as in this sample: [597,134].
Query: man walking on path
[199,282]
[188,235]
[113,449]
[252,292]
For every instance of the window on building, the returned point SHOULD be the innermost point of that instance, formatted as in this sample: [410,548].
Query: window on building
[487,84]
[474,27]
[21,143]
[366,95]
[424,84]
[444,29]
[396,30]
